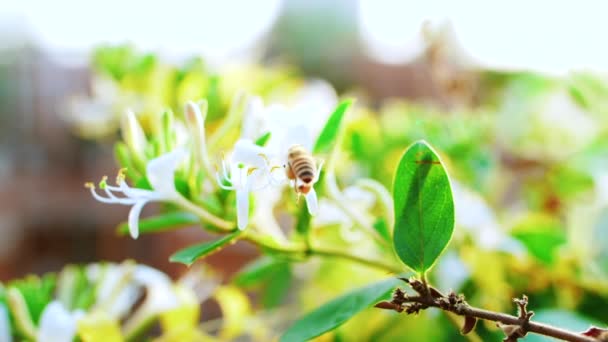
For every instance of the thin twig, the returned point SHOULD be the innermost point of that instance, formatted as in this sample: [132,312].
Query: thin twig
[514,326]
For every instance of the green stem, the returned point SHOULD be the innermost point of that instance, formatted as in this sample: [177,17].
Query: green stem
[367,262]
[205,215]
[305,250]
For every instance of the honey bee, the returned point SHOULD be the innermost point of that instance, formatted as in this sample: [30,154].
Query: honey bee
[301,169]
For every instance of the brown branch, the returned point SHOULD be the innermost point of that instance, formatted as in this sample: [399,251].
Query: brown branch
[514,327]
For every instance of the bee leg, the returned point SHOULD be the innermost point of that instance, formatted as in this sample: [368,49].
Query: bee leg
[289,172]
[298,197]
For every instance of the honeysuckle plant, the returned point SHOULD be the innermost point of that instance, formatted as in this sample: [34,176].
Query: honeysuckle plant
[400,184]
[106,302]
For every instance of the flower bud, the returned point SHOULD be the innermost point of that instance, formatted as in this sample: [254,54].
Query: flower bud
[133,135]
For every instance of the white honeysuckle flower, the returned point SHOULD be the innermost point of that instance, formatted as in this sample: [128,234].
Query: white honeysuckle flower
[474,215]
[288,127]
[57,324]
[247,171]
[300,122]
[5,327]
[160,173]
[116,294]
[160,296]
[329,213]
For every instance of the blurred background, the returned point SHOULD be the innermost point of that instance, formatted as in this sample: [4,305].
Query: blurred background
[60,62]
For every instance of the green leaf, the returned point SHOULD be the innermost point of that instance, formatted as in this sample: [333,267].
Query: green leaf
[272,275]
[256,272]
[278,286]
[261,141]
[337,311]
[382,228]
[168,132]
[37,293]
[329,134]
[424,208]
[190,254]
[161,223]
[303,220]
[541,234]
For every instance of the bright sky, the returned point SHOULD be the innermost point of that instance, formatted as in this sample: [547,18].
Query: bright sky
[549,36]
[175,27]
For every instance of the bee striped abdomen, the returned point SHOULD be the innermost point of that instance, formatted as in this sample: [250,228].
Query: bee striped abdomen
[302,164]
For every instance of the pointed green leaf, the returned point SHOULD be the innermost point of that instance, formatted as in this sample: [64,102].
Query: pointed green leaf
[542,235]
[261,141]
[190,254]
[337,311]
[256,272]
[272,275]
[382,228]
[277,289]
[329,134]
[303,221]
[161,223]
[424,208]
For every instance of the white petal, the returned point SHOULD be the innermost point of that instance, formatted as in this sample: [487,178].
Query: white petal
[99,197]
[123,302]
[246,152]
[298,135]
[253,118]
[56,324]
[134,218]
[161,170]
[329,214]
[316,101]
[148,276]
[130,192]
[5,328]
[160,296]
[115,293]
[312,202]
[242,208]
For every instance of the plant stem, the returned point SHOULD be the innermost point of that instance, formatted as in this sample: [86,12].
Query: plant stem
[456,304]
[535,327]
[305,250]
[205,215]
[372,263]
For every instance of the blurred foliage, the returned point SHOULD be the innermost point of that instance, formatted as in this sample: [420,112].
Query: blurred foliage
[528,165]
